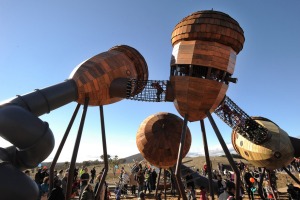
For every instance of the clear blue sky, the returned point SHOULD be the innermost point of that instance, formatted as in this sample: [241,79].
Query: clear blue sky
[42,41]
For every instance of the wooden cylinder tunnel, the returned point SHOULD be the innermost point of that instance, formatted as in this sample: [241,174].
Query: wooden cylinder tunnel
[158,139]
[205,45]
[275,153]
[103,78]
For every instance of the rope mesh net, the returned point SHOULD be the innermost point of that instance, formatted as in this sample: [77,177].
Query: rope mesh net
[237,119]
[151,90]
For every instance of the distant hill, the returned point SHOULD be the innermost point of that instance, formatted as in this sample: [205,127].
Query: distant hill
[129,159]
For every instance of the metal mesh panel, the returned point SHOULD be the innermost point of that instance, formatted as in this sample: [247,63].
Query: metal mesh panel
[237,119]
[154,90]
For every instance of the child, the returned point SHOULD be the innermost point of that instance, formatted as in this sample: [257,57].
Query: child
[118,193]
[191,193]
[203,193]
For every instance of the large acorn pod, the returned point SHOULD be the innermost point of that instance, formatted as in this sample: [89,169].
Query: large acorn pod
[205,45]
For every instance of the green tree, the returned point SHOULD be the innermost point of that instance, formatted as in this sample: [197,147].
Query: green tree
[108,157]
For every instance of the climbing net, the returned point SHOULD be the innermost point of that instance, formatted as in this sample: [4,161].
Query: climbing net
[150,90]
[237,119]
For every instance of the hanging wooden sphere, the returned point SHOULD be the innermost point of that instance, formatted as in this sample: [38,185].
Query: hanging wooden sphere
[158,139]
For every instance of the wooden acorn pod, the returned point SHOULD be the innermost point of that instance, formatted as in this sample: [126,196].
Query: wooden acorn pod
[103,78]
[158,139]
[205,45]
[275,153]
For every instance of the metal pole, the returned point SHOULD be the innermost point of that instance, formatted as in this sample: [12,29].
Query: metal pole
[174,179]
[270,183]
[237,179]
[165,184]
[291,175]
[157,184]
[179,159]
[208,163]
[75,150]
[104,153]
[61,145]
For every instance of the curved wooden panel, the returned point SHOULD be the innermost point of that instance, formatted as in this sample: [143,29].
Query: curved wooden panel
[275,153]
[94,76]
[211,26]
[195,96]
[158,139]
[204,53]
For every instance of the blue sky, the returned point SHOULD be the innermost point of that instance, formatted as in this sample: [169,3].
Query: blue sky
[42,41]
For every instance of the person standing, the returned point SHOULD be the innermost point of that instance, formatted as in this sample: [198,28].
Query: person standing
[84,178]
[153,179]
[228,194]
[64,182]
[45,187]
[117,193]
[147,182]
[93,175]
[57,192]
[60,174]
[249,181]
[203,193]
[133,183]
[140,178]
[88,193]
[125,181]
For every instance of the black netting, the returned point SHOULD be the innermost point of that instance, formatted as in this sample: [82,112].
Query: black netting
[237,119]
[154,90]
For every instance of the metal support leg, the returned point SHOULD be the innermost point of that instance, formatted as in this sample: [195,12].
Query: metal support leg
[165,184]
[208,163]
[291,175]
[179,160]
[105,159]
[157,184]
[260,188]
[237,179]
[270,183]
[61,145]
[174,179]
[75,150]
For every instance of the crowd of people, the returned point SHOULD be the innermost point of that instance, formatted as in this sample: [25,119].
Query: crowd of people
[84,184]
[142,180]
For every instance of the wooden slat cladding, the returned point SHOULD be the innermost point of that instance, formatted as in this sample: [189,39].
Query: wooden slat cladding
[194,96]
[158,139]
[94,76]
[265,155]
[211,26]
[203,53]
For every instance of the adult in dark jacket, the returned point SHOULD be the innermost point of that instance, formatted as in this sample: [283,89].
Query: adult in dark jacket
[140,178]
[228,194]
[57,191]
[249,181]
[88,193]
